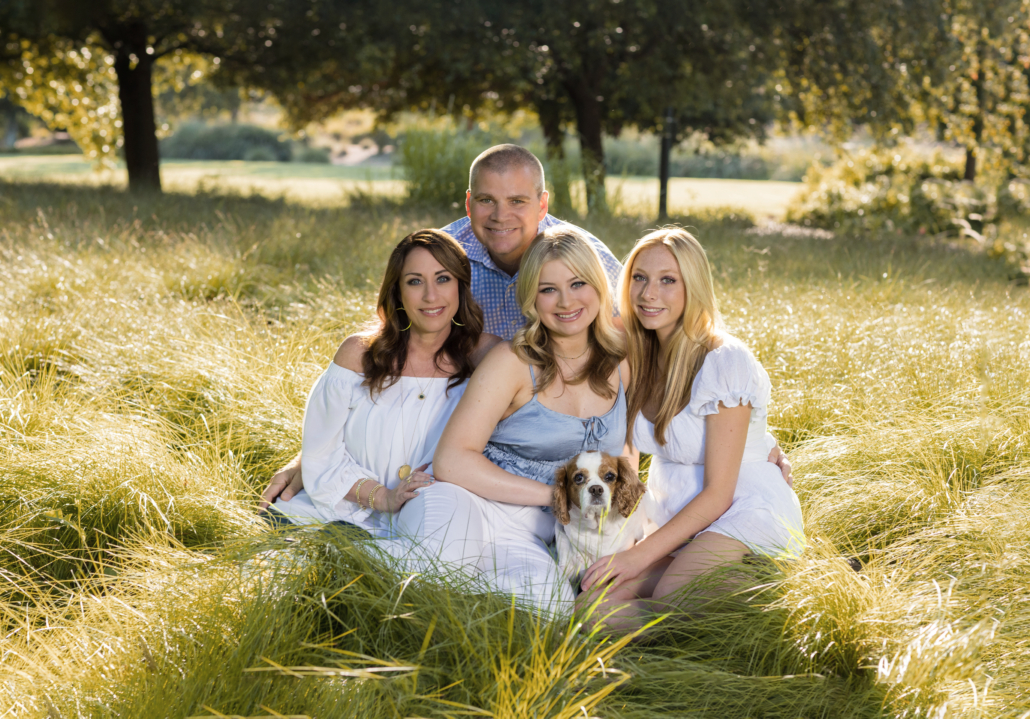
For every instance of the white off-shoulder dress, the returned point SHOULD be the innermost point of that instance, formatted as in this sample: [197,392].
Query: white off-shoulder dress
[349,436]
[765,514]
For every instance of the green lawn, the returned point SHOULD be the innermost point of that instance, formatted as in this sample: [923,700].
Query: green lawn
[155,356]
[329,185]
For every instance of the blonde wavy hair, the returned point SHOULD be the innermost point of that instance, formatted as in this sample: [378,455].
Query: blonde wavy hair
[532,343]
[692,340]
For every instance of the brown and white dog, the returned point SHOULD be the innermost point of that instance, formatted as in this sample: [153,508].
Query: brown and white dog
[601,508]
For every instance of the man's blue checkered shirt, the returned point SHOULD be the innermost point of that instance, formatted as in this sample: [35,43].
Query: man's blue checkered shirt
[494,290]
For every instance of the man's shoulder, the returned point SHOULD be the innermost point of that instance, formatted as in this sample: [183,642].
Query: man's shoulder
[459,228]
[461,231]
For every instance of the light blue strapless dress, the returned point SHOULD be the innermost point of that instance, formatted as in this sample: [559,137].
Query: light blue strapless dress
[534,441]
[506,545]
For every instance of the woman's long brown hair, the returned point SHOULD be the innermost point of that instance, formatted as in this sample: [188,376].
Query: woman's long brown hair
[387,345]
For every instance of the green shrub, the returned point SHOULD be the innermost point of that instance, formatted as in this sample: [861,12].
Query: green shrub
[881,188]
[435,159]
[314,155]
[723,164]
[196,141]
[259,154]
[784,159]
[1014,198]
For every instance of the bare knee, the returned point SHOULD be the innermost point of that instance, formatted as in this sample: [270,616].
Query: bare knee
[703,567]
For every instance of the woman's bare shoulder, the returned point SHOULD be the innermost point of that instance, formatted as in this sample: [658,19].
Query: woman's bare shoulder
[486,343]
[351,352]
[501,356]
[503,366]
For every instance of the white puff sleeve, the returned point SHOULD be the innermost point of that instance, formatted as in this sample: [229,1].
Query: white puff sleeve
[731,375]
[329,469]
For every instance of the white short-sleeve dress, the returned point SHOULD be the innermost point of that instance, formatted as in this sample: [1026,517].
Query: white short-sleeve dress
[765,514]
[349,436]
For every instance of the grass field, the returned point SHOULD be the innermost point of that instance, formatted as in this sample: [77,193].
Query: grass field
[329,185]
[155,355]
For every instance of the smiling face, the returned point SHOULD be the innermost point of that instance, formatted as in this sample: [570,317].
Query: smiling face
[505,211]
[657,291]
[429,293]
[567,305]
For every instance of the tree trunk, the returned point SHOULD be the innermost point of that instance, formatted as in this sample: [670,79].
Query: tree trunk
[558,169]
[10,115]
[978,119]
[970,173]
[588,126]
[135,95]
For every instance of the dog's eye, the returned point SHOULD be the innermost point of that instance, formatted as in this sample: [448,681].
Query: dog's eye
[579,478]
[610,477]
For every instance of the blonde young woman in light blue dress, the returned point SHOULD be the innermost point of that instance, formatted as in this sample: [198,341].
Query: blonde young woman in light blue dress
[556,390]
[698,402]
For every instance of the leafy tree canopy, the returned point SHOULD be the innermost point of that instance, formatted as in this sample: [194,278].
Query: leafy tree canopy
[960,66]
[67,62]
[595,65]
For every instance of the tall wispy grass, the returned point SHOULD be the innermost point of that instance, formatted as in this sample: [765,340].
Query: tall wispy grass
[154,360]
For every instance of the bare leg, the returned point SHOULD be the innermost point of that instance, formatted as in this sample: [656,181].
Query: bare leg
[611,606]
[708,551]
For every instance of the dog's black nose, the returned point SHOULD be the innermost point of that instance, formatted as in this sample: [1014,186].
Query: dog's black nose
[596,490]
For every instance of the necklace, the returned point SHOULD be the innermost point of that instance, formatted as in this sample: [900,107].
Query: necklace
[421,389]
[569,359]
[405,469]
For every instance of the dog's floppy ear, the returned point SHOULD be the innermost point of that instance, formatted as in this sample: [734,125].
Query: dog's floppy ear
[560,500]
[628,490]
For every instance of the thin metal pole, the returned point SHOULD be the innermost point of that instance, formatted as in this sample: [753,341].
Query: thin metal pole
[668,135]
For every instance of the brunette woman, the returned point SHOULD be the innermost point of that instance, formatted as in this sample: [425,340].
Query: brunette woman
[375,415]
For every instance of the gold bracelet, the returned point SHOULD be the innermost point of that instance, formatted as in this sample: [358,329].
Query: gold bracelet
[357,491]
[371,497]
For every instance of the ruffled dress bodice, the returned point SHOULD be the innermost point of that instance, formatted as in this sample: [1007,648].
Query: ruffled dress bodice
[730,374]
[349,435]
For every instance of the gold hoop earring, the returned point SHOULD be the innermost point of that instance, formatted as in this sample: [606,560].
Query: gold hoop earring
[459,324]
[404,329]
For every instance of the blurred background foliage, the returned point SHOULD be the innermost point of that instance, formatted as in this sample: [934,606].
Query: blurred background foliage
[590,69]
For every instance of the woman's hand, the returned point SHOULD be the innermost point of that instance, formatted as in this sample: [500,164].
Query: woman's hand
[399,495]
[615,569]
[779,458]
[284,485]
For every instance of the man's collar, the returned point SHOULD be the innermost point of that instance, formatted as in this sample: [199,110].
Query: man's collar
[477,251]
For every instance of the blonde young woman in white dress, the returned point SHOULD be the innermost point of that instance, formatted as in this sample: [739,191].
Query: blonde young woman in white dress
[374,417]
[698,401]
